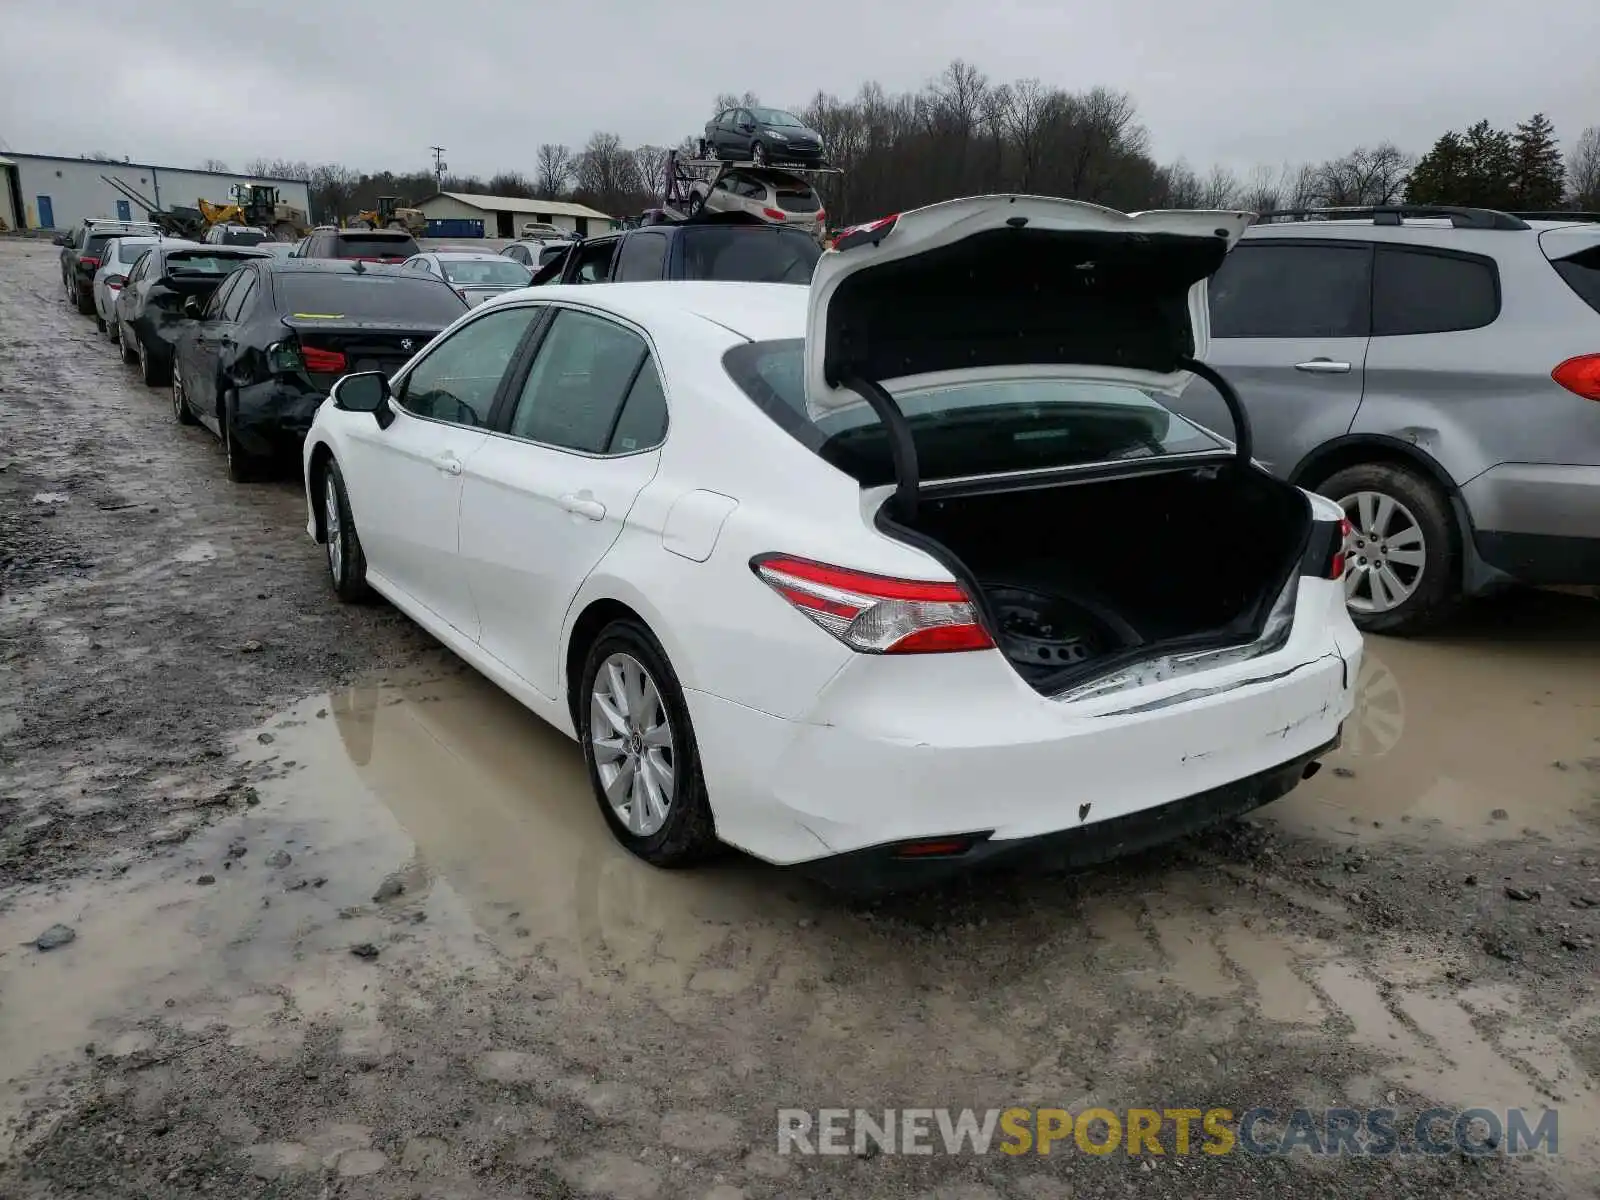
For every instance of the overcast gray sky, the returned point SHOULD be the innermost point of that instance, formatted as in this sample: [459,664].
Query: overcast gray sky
[374,84]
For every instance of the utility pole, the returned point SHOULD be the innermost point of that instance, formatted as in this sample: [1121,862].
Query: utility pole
[439,166]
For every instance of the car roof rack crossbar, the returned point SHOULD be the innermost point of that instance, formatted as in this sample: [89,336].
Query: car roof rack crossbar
[1395,214]
[1556,215]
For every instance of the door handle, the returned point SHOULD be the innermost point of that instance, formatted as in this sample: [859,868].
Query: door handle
[1323,366]
[448,463]
[584,506]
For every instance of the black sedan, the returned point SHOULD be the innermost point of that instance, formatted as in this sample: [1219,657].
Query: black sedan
[762,135]
[255,361]
[149,309]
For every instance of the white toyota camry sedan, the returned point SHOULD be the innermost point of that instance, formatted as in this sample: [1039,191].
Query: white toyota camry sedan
[890,575]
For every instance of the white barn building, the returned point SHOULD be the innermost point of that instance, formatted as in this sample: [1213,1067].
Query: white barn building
[52,192]
[504,216]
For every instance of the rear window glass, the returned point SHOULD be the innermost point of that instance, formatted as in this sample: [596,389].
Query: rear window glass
[748,254]
[375,245]
[1415,291]
[320,294]
[243,237]
[972,429]
[128,250]
[486,272]
[1582,273]
[200,262]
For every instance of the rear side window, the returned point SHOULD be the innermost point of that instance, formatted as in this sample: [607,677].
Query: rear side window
[1292,290]
[586,368]
[349,295]
[1582,273]
[748,254]
[641,257]
[1420,291]
[374,245]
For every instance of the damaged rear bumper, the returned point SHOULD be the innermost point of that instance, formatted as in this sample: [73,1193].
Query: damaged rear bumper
[958,746]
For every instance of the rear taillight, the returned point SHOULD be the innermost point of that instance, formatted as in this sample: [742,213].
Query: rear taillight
[876,614]
[328,362]
[1580,375]
[774,214]
[1336,563]
[86,261]
[115,282]
[872,231]
[822,214]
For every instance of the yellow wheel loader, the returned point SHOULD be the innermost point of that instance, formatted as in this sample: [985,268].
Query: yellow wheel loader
[391,214]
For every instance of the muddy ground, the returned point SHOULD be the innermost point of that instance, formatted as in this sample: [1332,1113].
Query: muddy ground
[223,783]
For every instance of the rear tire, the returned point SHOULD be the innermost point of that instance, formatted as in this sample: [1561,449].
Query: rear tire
[99,322]
[283,231]
[152,370]
[85,303]
[347,562]
[654,746]
[180,401]
[1398,516]
[243,467]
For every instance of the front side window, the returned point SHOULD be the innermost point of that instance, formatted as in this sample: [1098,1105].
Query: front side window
[973,428]
[240,297]
[458,379]
[586,369]
[1288,290]
[219,298]
[641,257]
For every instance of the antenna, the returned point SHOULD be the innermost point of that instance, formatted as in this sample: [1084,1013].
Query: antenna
[439,166]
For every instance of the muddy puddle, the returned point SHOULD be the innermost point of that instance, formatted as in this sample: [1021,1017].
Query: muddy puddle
[1472,738]
[429,817]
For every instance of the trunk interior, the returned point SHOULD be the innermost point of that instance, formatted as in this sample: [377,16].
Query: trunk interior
[1079,578]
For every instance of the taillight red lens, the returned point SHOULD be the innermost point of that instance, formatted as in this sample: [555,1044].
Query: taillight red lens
[1336,565]
[877,614]
[86,261]
[115,282]
[822,214]
[1580,375]
[774,214]
[322,361]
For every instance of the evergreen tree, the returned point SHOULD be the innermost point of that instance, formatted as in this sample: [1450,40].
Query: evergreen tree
[1478,168]
[1539,175]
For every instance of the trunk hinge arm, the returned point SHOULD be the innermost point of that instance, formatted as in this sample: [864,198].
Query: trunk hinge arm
[902,447]
[1243,439]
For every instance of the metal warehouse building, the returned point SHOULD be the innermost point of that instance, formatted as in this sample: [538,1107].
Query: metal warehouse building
[504,216]
[51,192]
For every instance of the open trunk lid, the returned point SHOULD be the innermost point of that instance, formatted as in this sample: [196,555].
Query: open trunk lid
[1013,287]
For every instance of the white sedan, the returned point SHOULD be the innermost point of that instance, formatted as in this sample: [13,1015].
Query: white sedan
[116,262]
[889,575]
[475,275]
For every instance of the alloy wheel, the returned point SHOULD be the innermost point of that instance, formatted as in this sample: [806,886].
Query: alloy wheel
[632,740]
[1385,554]
[330,508]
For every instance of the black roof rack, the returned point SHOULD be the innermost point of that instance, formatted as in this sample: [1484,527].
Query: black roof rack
[1394,214]
[1556,215]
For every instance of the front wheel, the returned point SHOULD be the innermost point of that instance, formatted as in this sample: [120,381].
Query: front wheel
[123,347]
[758,153]
[640,750]
[1402,559]
[347,562]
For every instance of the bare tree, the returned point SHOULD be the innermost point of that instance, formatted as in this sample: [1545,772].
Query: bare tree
[607,175]
[1033,106]
[1220,188]
[512,183]
[554,170]
[1583,171]
[1267,188]
[1364,176]
[726,100]
[650,162]
[215,164]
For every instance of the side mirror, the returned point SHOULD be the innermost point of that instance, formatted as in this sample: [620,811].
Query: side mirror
[60,239]
[365,391]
